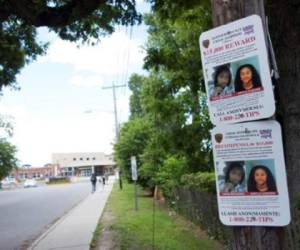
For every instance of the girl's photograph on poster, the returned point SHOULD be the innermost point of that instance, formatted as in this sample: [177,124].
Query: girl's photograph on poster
[261,177]
[232,177]
[235,77]
[246,74]
[221,83]
[253,177]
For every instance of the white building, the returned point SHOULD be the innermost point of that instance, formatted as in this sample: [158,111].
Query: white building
[84,164]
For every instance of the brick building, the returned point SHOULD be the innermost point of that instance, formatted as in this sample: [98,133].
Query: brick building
[49,170]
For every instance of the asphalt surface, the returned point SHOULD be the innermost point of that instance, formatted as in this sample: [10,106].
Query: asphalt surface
[26,213]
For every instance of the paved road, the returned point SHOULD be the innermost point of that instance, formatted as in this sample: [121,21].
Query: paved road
[26,213]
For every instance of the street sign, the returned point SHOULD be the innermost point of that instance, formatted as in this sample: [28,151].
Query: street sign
[236,71]
[133,168]
[250,174]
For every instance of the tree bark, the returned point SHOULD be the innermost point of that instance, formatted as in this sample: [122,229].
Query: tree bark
[285,32]
[287,47]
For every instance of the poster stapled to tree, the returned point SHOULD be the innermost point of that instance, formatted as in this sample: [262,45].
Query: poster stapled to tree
[236,72]
[250,174]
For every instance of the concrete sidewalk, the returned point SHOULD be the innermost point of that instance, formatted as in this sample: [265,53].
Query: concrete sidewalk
[75,229]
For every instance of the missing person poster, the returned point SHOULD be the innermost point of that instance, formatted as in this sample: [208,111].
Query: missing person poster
[236,72]
[250,174]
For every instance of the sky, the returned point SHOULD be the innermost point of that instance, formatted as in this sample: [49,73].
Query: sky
[62,106]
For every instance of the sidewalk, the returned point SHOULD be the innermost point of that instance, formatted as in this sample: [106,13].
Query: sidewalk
[74,231]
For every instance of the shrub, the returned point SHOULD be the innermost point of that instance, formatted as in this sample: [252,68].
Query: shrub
[59,180]
[170,173]
[205,181]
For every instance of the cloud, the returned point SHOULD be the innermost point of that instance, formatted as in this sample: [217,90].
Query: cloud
[123,108]
[86,80]
[109,57]
[38,138]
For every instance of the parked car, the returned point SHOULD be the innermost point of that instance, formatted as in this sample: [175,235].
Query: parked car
[30,183]
[8,182]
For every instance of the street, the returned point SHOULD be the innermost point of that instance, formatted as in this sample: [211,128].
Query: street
[26,213]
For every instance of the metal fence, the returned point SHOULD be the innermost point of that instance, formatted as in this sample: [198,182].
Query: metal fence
[202,209]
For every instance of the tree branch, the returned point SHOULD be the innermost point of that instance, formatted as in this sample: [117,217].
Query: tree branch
[38,13]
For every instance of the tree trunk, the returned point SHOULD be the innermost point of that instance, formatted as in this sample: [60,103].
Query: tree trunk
[285,32]
[285,23]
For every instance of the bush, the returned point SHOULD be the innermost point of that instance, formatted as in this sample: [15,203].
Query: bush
[205,181]
[59,180]
[170,173]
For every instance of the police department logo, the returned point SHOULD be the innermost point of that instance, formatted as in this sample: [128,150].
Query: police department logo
[205,43]
[219,138]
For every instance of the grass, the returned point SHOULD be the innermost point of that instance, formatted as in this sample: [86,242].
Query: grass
[58,181]
[95,236]
[135,228]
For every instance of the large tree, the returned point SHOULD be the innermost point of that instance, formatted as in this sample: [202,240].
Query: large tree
[168,104]
[73,20]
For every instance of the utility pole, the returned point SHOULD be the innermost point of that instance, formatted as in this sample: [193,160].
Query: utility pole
[245,237]
[113,87]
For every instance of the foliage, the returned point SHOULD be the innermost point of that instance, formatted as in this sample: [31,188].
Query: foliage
[8,160]
[174,95]
[6,126]
[170,173]
[133,138]
[59,180]
[135,85]
[170,102]
[205,181]
[72,20]
[170,9]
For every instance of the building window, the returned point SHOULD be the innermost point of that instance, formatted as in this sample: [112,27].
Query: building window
[94,158]
[81,158]
[74,159]
[85,172]
[87,158]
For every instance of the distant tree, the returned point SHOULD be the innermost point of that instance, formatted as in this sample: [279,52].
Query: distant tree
[7,151]
[8,160]
[133,139]
[73,20]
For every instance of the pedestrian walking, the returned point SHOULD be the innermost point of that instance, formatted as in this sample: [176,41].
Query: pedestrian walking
[93,181]
[103,180]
